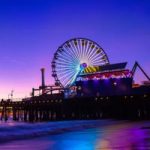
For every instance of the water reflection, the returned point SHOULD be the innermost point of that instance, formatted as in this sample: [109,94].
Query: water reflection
[127,136]
[75,141]
[119,136]
[116,137]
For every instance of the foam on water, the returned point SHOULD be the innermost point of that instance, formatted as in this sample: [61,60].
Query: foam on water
[19,130]
[88,135]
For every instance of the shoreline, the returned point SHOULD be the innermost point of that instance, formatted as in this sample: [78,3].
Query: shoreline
[84,135]
[22,131]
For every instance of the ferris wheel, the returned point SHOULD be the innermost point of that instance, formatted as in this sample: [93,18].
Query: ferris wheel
[73,57]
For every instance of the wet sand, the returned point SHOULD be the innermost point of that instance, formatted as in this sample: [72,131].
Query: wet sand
[122,135]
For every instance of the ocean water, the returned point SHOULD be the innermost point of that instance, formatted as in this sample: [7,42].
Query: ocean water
[75,135]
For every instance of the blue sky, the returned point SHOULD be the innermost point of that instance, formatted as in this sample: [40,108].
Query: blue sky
[32,30]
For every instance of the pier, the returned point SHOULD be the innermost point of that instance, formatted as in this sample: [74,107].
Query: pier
[45,108]
[86,87]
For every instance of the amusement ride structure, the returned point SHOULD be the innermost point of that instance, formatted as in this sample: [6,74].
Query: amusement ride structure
[74,57]
[81,67]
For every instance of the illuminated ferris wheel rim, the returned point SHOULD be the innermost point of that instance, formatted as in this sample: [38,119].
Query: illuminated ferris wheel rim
[76,45]
[81,38]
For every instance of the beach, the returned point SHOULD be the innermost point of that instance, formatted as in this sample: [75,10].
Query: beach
[76,135]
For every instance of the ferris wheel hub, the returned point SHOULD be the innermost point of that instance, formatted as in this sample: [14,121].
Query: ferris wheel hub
[83,66]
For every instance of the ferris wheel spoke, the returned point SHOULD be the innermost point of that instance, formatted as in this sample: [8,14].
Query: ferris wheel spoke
[100,57]
[73,78]
[67,57]
[88,51]
[70,49]
[89,48]
[71,58]
[81,49]
[71,66]
[74,53]
[61,70]
[75,50]
[95,58]
[69,53]
[103,57]
[64,81]
[66,72]
[98,63]
[76,45]
[65,65]
[85,48]
[66,61]
[66,68]
[92,52]
[66,78]
[64,58]
[81,45]
[78,51]
[101,61]
[69,82]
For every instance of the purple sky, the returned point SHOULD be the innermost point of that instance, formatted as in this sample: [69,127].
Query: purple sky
[32,30]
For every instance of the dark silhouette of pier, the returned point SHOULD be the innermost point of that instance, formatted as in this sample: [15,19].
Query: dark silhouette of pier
[53,107]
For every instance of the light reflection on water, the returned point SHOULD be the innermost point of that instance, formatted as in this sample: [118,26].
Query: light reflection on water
[119,136]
